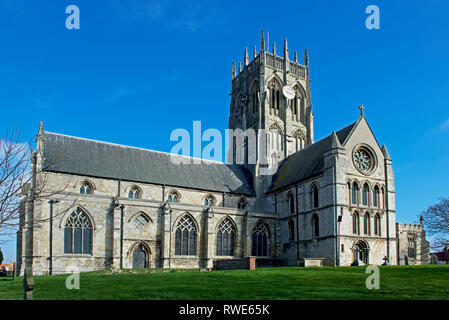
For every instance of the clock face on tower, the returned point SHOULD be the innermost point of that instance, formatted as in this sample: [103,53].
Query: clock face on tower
[364,159]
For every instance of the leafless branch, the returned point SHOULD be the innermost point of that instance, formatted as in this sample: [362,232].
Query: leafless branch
[24,181]
[436,219]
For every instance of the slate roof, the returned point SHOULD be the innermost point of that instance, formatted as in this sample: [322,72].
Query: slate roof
[86,157]
[307,163]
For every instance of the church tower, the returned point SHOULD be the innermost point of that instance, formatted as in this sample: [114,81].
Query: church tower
[271,95]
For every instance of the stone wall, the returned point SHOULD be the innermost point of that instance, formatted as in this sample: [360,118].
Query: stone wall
[412,246]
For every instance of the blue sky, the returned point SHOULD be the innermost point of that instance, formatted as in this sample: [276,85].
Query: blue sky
[138,69]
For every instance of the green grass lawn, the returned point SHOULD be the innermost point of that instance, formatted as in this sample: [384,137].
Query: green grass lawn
[404,282]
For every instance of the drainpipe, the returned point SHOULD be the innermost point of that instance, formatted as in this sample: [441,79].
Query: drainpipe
[122,209]
[119,187]
[50,248]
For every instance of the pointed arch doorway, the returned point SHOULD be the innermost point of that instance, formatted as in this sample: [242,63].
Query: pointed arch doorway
[140,256]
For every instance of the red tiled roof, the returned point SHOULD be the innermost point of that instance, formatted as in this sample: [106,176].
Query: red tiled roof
[442,256]
[8,266]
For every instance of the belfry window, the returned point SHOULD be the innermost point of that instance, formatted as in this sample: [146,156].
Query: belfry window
[185,237]
[295,109]
[299,140]
[278,102]
[78,233]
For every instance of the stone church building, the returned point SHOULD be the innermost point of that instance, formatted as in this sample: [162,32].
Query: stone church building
[328,202]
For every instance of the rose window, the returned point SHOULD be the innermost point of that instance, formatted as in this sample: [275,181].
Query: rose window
[363,160]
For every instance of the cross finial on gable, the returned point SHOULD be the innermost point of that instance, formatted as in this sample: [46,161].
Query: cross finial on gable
[361,109]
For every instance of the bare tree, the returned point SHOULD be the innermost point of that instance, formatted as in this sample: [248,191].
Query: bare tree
[22,183]
[437,223]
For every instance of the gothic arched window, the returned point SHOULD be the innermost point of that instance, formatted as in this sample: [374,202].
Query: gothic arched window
[254,96]
[315,226]
[173,196]
[291,203]
[209,201]
[295,108]
[366,224]
[376,197]
[276,141]
[278,101]
[300,140]
[377,225]
[141,221]
[314,200]
[291,230]
[365,195]
[86,188]
[134,193]
[226,238]
[275,96]
[242,204]
[349,192]
[355,223]
[78,233]
[260,240]
[382,198]
[355,193]
[185,237]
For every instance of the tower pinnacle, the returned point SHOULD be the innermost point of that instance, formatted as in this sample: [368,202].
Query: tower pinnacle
[285,49]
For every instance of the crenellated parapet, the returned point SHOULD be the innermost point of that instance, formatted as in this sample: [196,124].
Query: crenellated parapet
[273,61]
